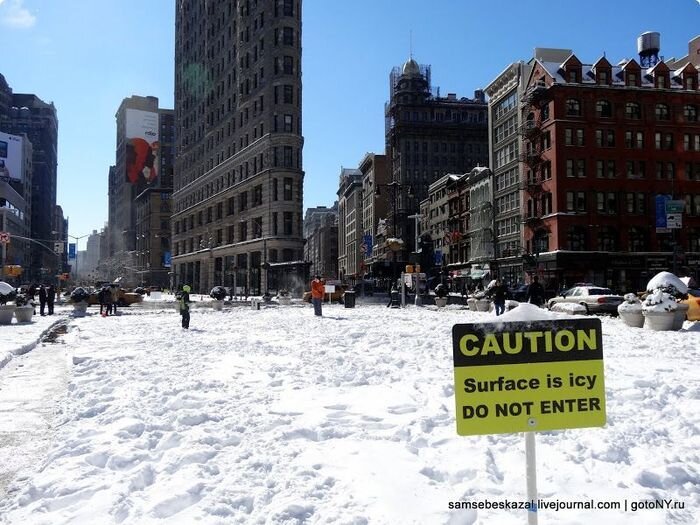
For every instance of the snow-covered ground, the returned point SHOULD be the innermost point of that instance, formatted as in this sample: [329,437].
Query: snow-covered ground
[276,416]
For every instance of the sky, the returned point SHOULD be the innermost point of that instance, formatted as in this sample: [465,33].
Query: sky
[349,418]
[87,56]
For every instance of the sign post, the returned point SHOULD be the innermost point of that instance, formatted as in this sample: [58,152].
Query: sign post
[525,377]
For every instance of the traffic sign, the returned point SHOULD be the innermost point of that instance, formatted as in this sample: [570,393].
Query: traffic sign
[525,377]
[4,237]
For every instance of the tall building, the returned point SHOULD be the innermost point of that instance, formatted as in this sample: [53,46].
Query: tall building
[506,128]
[238,182]
[140,191]
[427,137]
[350,231]
[321,235]
[375,173]
[27,114]
[605,146]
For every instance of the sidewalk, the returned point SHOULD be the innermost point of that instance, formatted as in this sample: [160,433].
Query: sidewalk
[17,339]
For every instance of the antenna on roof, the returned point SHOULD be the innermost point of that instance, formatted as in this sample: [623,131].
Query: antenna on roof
[410,43]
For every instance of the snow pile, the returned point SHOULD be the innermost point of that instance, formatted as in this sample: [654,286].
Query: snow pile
[275,416]
[667,282]
[632,304]
[569,308]
[659,301]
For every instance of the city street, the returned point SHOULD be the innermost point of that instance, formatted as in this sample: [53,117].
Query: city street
[277,416]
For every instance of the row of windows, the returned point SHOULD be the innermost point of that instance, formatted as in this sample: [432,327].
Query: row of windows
[288,157]
[606,138]
[246,231]
[445,115]
[237,202]
[633,169]
[507,179]
[638,240]
[633,110]
[612,203]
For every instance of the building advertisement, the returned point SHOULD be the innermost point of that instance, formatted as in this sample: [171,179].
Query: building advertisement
[10,157]
[142,146]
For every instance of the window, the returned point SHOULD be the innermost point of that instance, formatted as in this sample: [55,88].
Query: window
[690,113]
[576,238]
[274,223]
[288,189]
[287,160]
[638,239]
[573,107]
[288,36]
[287,219]
[692,205]
[229,206]
[606,202]
[569,137]
[243,201]
[607,239]
[632,78]
[569,167]
[605,169]
[243,231]
[257,227]
[604,77]
[230,234]
[603,109]
[288,8]
[257,195]
[288,94]
[288,65]
[633,111]
[575,201]
[580,168]
[662,112]
[605,138]
[288,123]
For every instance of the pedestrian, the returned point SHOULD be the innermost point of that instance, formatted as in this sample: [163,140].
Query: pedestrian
[50,297]
[42,299]
[104,296]
[535,292]
[114,290]
[317,291]
[499,292]
[184,303]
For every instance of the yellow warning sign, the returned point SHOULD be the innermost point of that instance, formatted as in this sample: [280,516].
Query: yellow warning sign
[528,376]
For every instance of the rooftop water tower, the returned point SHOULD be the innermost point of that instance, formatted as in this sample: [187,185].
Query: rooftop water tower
[648,47]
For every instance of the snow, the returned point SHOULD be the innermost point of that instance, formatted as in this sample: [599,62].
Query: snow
[659,301]
[666,280]
[277,416]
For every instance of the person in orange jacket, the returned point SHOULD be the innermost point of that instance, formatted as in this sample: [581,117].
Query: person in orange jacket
[317,291]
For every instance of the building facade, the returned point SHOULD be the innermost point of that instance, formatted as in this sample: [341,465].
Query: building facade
[350,260]
[321,235]
[604,144]
[375,173]
[238,182]
[28,115]
[427,137]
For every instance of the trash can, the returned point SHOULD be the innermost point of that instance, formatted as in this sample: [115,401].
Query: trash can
[255,304]
[395,299]
[349,299]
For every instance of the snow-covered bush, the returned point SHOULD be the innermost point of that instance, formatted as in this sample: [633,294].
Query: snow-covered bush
[631,304]
[7,292]
[659,301]
[218,293]
[79,295]
[441,290]
[668,283]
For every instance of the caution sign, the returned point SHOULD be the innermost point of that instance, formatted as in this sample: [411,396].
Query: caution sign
[528,376]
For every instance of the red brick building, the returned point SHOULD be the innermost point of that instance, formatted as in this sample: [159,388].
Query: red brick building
[601,142]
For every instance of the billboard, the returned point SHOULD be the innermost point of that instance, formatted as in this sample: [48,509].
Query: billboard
[10,157]
[142,146]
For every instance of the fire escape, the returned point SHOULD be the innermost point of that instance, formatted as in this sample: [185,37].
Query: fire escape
[534,107]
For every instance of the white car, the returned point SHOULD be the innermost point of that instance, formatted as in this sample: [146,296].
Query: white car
[594,299]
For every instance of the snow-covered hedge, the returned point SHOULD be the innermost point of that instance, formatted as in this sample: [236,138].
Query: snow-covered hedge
[659,301]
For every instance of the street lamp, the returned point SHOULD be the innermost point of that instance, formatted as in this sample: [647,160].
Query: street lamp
[76,239]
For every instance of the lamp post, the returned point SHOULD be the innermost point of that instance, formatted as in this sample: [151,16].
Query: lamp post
[395,189]
[76,239]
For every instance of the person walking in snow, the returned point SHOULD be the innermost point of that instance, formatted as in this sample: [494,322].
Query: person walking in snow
[184,303]
[114,291]
[42,299]
[535,292]
[317,291]
[104,296]
[499,292]
[50,297]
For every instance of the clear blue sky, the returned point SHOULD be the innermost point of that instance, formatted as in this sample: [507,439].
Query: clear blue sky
[87,55]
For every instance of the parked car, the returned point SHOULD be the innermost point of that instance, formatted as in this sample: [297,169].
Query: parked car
[595,299]
[693,302]
[519,293]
